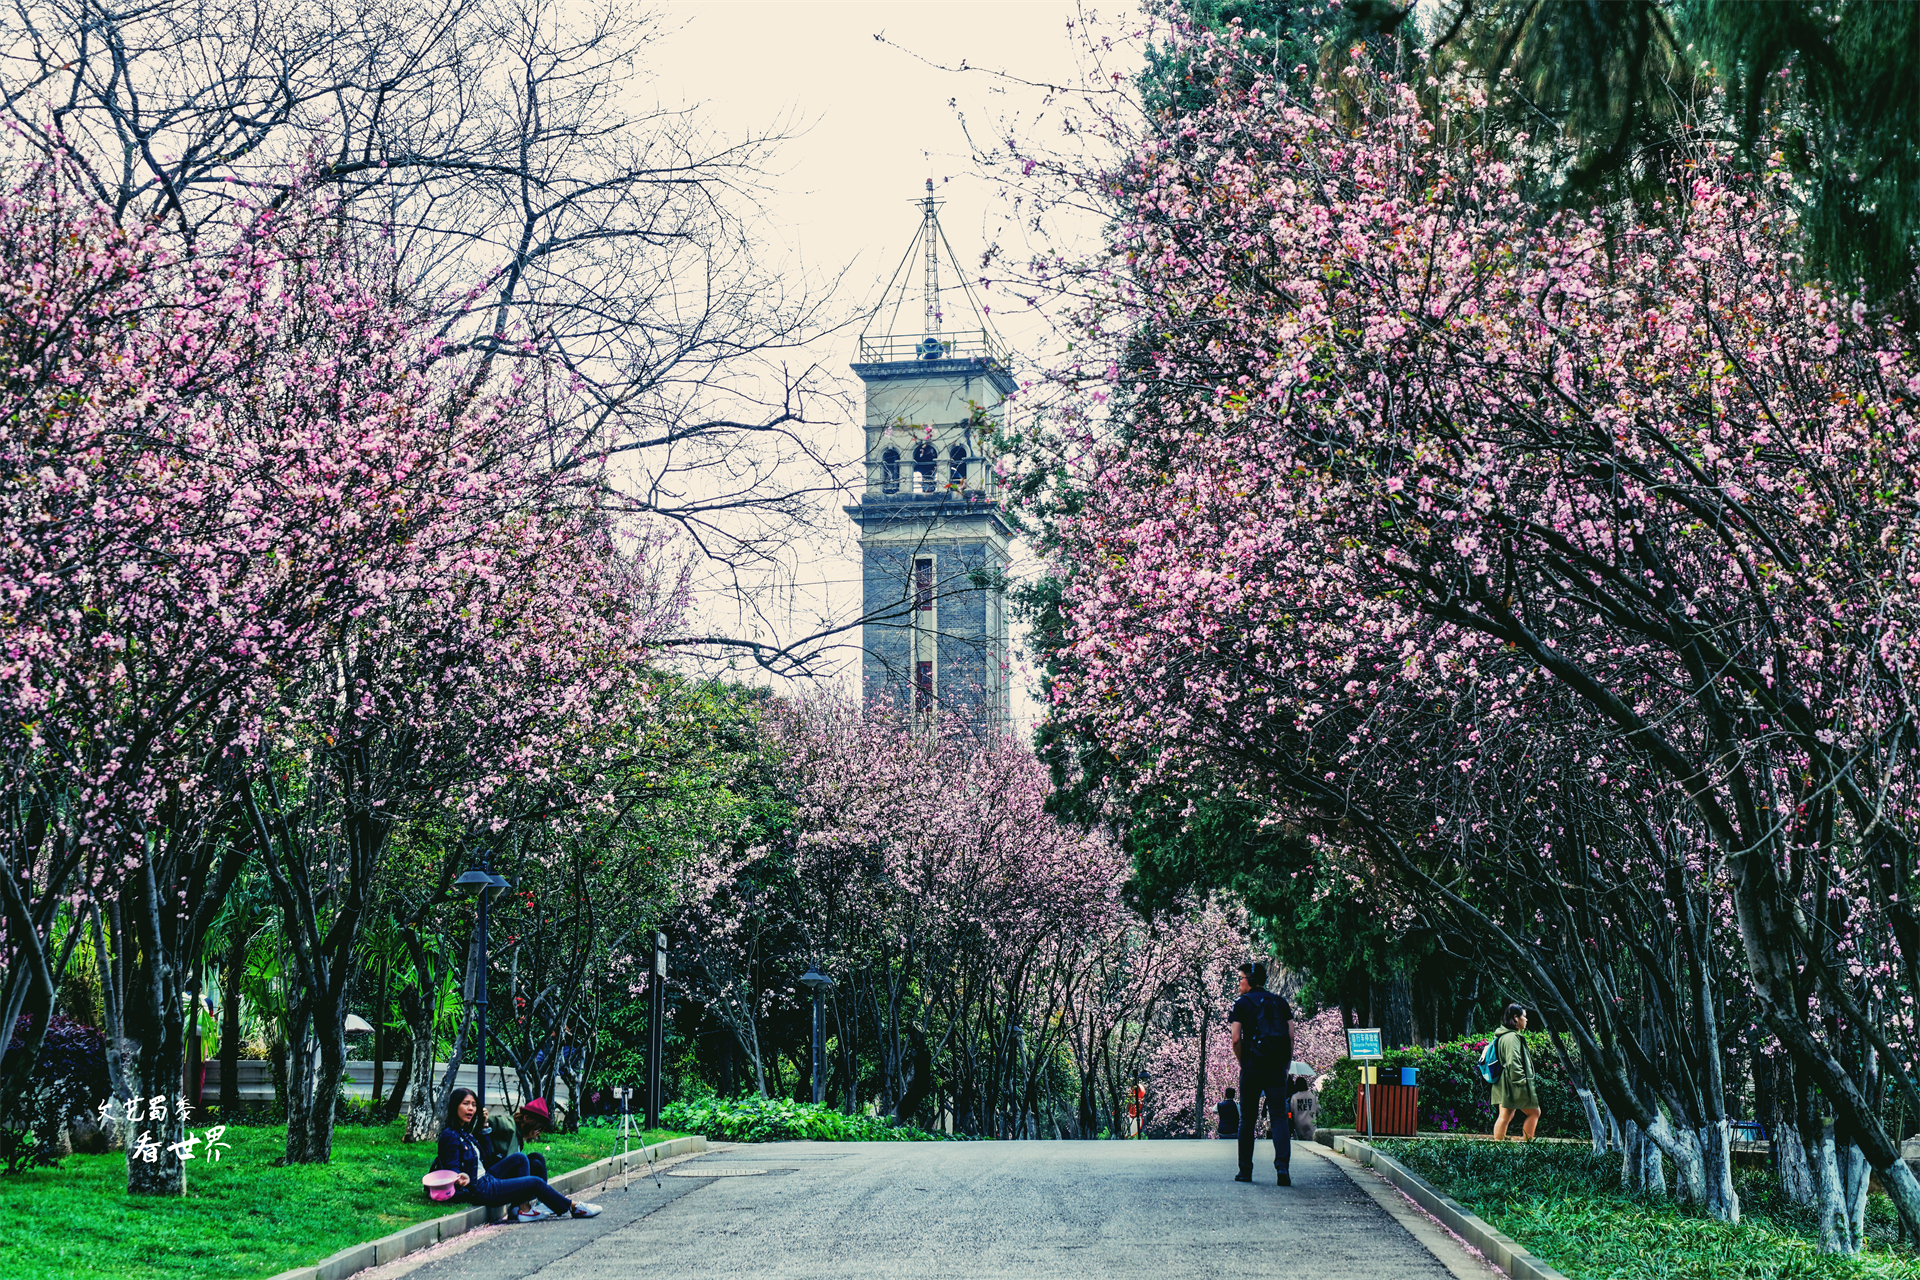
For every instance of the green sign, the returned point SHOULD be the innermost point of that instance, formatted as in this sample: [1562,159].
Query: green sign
[1363,1043]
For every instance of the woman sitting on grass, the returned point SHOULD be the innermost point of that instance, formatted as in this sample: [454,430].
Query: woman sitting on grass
[488,1181]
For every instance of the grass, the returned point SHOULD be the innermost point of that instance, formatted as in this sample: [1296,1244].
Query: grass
[243,1216]
[1564,1204]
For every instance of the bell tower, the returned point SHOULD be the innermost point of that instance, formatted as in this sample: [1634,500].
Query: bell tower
[934,542]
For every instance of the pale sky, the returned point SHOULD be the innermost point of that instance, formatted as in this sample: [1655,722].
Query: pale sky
[875,120]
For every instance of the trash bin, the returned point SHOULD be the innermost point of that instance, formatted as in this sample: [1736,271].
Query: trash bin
[1396,1109]
[1409,1076]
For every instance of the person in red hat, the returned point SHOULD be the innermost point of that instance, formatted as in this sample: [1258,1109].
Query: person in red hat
[511,1139]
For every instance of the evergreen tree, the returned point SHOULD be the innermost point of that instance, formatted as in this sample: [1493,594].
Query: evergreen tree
[1606,95]
[1836,88]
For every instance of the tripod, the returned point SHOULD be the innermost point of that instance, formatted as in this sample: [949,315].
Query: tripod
[629,1126]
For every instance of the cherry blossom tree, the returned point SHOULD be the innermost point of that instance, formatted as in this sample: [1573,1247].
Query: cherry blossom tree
[245,535]
[982,955]
[431,129]
[1393,449]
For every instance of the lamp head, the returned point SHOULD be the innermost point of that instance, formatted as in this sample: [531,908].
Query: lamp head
[497,885]
[815,979]
[472,882]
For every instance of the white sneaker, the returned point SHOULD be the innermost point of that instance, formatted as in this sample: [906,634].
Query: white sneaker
[581,1209]
[533,1214]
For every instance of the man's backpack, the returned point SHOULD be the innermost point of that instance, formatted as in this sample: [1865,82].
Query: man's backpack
[1270,1039]
[1490,1060]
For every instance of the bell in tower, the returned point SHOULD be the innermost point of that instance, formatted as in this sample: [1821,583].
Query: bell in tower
[934,542]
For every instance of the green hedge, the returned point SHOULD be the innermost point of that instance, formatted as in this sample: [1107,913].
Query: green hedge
[782,1120]
[1452,1094]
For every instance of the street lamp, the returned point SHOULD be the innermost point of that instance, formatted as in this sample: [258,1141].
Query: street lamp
[820,984]
[478,882]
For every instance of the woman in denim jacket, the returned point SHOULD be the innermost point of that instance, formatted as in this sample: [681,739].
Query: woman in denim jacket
[489,1181]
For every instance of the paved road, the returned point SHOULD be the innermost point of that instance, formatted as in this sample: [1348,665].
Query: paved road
[972,1211]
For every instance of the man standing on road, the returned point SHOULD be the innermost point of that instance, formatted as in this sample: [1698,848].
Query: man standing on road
[1263,1045]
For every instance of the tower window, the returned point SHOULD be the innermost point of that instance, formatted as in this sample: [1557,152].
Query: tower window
[923,686]
[923,585]
[925,459]
[957,466]
[890,471]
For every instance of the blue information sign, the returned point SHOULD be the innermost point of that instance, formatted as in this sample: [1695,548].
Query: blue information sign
[1363,1042]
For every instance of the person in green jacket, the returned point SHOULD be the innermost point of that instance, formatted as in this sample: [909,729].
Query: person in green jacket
[510,1137]
[1514,1090]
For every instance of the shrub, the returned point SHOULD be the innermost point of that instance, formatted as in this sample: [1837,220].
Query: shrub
[69,1076]
[755,1119]
[1452,1094]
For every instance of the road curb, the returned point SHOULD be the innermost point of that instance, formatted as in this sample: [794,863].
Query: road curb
[422,1234]
[1501,1250]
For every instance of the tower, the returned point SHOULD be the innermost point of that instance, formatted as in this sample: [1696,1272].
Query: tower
[933,540]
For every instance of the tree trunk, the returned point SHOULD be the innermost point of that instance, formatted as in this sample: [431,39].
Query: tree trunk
[423,1112]
[277,1069]
[1395,1010]
[1836,1234]
[749,1045]
[1683,1148]
[230,1023]
[310,1139]
[1200,1083]
[154,1167]
[1791,1162]
[390,1106]
[1716,1154]
[380,1033]
[1853,1188]
[1596,1126]
[160,978]
[417,1007]
[1904,1189]
[1640,1167]
[298,1067]
[920,1084]
[113,1005]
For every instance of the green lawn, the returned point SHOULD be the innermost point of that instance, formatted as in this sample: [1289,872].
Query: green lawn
[1564,1204]
[243,1216]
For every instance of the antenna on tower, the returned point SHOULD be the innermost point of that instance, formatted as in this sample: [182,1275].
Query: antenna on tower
[934,341]
[930,232]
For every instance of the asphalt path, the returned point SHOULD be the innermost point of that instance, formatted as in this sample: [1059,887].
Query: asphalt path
[972,1211]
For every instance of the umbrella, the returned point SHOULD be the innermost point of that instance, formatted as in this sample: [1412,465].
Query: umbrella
[357,1023]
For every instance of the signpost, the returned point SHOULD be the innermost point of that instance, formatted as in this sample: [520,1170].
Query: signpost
[1364,1047]
[656,1028]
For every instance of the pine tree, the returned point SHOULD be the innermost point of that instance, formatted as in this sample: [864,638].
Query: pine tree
[1836,88]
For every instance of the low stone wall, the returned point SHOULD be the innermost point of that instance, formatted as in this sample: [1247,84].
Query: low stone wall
[256,1081]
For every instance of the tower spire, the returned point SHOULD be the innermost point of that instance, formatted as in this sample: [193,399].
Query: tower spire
[930,289]
[888,333]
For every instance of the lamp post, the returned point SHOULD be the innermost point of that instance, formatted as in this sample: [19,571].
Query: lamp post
[820,984]
[478,882]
